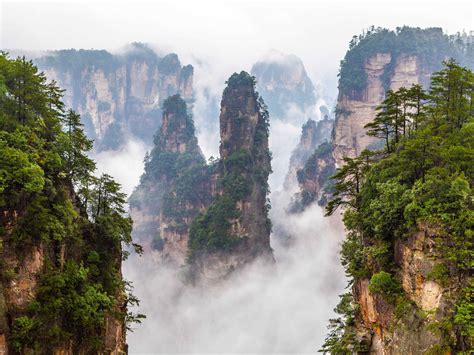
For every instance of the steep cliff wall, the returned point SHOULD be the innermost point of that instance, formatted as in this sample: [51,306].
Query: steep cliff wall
[382,60]
[175,186]
[235,229]
[409,326]
[313,134]
[353,112]
[118,95]
[409,229]
[313,178]
[61,228]
[378,61]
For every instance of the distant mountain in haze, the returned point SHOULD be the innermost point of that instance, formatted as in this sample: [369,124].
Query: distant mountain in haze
[283,83]
[118,95]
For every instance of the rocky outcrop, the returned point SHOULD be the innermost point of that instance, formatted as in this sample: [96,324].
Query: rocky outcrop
[379,61]
[313,134]
[310,164]
[410,328]
[22,269]
[61,228]
[382,60]
[235,230]
[284,84]
[354,111]
[313,178]
[213,217]
[407,293]
[118,95]
[174,187]
[244,130]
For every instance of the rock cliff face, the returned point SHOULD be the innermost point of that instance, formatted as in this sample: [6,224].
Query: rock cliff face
[313,134]
[21,273]
[386,330]
[174,187]
[118,95]
[211,217]
[382,60]
[61,227]
[354,111]
[235,229]
[376,62]
[313,178]
[284,84]
[415,318]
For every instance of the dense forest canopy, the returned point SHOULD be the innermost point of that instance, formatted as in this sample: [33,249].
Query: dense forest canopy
[424,176]
[50,198]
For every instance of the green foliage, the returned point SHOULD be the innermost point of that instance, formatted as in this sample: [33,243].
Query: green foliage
[47,219]
[342,336]
[18,173]
[240,79]
[22,333]
[399,115]
[385,284]
[236,185]
[67,303]
[440,274]
[424,177]
[354,258]
[47,182]
[210,231]
[464,316]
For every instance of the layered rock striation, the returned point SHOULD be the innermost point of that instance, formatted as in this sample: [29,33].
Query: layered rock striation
[378,61]
[118,95]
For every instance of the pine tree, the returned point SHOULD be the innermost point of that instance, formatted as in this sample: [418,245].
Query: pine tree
[74,145]
[348,181]
[451,94]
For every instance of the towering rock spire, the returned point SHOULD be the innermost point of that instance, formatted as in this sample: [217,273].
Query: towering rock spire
[174,187]
[236,229]
[176,134]
[214,216]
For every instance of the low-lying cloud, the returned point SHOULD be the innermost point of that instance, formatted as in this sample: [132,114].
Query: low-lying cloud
[284,310]
[125,165]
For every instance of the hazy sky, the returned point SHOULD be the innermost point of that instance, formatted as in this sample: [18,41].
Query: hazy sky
[232,33]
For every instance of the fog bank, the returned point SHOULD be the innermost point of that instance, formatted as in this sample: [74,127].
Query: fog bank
[284,309]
